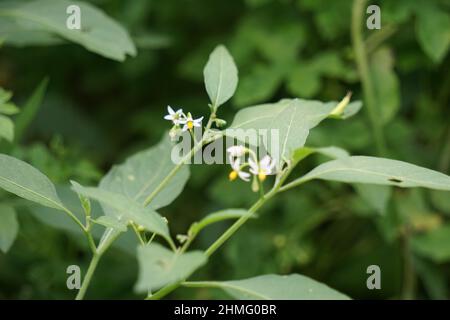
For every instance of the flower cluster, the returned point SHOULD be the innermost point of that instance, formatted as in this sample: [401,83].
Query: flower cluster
[259,169]
[179,119]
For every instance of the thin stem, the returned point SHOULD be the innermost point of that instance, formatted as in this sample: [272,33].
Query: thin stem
[363,70]
[172,173]
[231,230]
[98,253]
[74,218]
[85,229]
[138,234]
[235,226]
[87,278]
[164,291]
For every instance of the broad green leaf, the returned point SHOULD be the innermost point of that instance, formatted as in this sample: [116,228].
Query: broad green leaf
[372,170]
[30,109]
[25,181]
[221,76]
[99,33]
[9,227]
[6,128]
[259,84]
[20,36]
[55,219]
[276,287]
[111,222]
[126,209]
[143,172]
[433,31]
[331,152]
[434,244]
[159,266]
[126,242]
[226,214]
[290,118]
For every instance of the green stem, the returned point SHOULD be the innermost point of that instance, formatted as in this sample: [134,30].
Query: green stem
[230,231]
[87,278]
[172,173]
[235,226]
[363,70]
[164,291]
[98,253]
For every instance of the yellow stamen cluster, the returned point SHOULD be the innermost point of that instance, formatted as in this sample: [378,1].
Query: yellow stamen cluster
[190,125]
[233,175]
[262,176]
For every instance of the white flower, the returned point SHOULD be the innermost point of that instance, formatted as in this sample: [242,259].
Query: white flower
[263,169]
[175,116]
[189,122]
[236,166]
[236,151]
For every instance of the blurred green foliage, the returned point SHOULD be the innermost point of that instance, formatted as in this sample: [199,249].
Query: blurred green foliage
[96,112]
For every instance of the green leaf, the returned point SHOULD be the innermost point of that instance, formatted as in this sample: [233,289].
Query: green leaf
[9,227]
[259,84]
[126,209]
[434,244]
[111,222]
[8,108]
[126,242]
[6,129]
[276,287]
[5,96]
[30,109]
[303,81]
[350,110]
[330,152]
[25,181]
[291,118]
[159,266]
[221,76]
[361,169]
[433,31]
[98,33]
[143,172]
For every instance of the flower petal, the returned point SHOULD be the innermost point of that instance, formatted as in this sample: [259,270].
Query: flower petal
[244,175]
[253,166]
[265,162]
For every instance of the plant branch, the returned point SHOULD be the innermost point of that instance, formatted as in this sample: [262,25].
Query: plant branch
[98,253]
[363,70]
